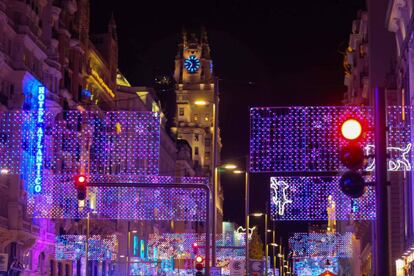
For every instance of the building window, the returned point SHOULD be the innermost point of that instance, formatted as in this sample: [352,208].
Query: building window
[181,111]
[196,151]
[196,138]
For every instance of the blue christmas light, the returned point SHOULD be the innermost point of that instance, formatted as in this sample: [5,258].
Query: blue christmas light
[73,247]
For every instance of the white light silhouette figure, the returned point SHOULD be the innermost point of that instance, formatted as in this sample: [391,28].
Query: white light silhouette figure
[393,165]
[280,200]
[242,230]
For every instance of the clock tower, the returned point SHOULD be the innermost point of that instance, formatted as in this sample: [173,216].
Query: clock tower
[194,121]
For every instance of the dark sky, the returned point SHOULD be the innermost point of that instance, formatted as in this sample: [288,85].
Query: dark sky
[289,49]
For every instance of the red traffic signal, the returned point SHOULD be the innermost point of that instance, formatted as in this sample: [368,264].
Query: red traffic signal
[351,129]
[80,180]
[199,266]
[80,184]
[352,157]
[195,248]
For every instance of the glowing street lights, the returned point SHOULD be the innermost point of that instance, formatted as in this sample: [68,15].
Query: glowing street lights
[202,102]
[265,233]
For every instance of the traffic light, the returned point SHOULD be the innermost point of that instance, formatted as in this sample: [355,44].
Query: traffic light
[195,248]
[199,265]
[352,157]
[80,184]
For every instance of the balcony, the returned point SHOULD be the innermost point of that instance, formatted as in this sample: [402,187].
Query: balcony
[71,6]
[55,13]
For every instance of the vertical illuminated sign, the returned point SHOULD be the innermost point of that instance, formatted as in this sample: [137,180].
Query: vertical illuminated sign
[39,136]
[142,253]
[135,245]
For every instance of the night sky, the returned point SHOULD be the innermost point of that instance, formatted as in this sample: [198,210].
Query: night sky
[289,51]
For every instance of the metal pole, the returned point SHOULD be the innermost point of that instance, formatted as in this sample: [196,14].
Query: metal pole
[87,246]
[207,245]
[267,247]
[280,258]
[274,249]
[128,244]
[246,202]
[215,157]
[382,265]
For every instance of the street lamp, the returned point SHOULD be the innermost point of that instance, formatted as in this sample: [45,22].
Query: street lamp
[229,166]
[265,234]
[246,208]
[202,102]
[256,214]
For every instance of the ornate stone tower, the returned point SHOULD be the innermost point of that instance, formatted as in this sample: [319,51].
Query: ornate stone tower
[194,79]
[194,121]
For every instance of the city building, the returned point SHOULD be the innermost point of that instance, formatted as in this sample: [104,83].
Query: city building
[28,62]
[356,63]
[47,44]
[356,68]
[399,20]
[196,101]
[367,67]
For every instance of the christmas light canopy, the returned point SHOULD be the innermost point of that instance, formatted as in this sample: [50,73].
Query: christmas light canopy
[326,245]
[308,139]
[73,247]
[307,198]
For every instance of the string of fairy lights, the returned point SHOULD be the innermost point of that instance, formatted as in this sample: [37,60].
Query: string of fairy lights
[309,199]
[140,203]
[303,139]
[326,245]
[73,247]
[108,147]
[101,143]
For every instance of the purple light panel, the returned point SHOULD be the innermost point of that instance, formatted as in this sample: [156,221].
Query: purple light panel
[73,247]
[59,199]
[306,198]
[308,139]
[94,142]
[308,245]
[170,244]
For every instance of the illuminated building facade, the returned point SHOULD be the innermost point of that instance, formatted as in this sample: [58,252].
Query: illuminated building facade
[356,63]
[30,74]
[399,22]
[368,66]
[50,63]
[195,105]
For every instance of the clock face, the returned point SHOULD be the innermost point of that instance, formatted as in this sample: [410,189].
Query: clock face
[192,64]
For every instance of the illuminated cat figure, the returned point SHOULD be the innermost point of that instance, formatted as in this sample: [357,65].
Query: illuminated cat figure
[280,198]
[393,165]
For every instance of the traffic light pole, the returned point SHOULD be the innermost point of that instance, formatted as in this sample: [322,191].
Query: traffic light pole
[382,267]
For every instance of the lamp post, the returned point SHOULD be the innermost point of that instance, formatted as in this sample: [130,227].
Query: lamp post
[265,236]
[246,206]
[273,245]
[274,248]
[215,168]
